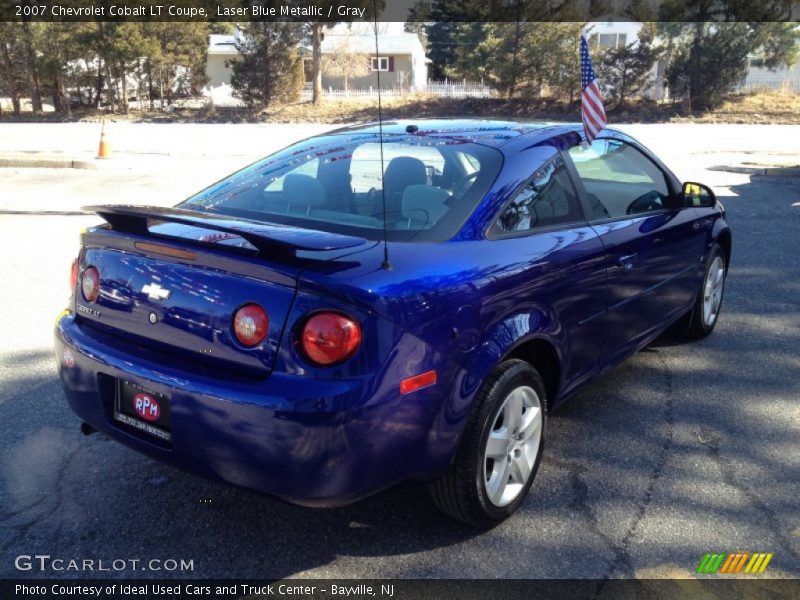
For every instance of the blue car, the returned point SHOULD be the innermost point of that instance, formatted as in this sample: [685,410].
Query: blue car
[386,302]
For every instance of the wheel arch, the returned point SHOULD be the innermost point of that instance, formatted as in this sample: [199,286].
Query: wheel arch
[534,336]
[542,355]
[725,241]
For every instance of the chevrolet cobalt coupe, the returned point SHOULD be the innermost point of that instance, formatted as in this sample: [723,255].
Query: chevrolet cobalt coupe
[379,304]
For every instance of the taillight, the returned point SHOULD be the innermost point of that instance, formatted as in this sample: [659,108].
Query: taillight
[250,324]
[90,284]
[329,338]
[73,274]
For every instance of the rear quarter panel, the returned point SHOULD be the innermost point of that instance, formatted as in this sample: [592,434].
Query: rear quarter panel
[455,307]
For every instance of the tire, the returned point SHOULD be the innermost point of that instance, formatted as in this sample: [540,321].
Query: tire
[704,314]
[471,489]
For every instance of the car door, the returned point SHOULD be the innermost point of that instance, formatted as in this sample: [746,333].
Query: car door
[565,274]
[650,244]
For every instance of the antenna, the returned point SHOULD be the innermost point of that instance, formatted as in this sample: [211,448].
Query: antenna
[386,264]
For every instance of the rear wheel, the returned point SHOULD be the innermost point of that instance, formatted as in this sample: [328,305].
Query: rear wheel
[500,450]
[703,316]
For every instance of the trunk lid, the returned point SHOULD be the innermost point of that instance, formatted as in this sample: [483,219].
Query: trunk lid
[171,281]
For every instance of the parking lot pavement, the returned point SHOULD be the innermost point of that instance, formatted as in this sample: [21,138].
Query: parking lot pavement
[682,450]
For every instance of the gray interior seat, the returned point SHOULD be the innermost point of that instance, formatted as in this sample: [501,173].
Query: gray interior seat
[302,193]
[553,205]
[544,212]
[401,172]
[336,179]
[423,206]
[299,195]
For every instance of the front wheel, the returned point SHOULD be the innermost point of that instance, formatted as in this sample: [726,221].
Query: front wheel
[500,450]
[705,312]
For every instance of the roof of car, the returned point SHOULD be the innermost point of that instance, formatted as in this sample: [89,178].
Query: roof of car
[488,132]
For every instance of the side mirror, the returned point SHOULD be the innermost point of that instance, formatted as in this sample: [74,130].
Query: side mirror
[698,195]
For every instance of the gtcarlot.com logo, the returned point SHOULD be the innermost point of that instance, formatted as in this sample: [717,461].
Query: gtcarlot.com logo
[46,563]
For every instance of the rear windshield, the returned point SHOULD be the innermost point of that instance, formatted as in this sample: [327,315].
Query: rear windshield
[340,183]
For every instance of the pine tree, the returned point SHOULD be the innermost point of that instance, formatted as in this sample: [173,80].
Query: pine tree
[526,56]
[175,58]
[709,43]
[625,71]
[270,70]
[30,40]
[442,39]
[96,58]
[12,64]
[57,49]
[471,53]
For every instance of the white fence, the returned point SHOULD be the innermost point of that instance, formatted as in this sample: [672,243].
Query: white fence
[776,84]
[442,89]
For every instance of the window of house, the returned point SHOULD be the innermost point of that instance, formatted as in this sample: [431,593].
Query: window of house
[612,40]
[547,199]
[380,63]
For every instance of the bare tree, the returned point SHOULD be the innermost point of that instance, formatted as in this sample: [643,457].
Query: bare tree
[344,61]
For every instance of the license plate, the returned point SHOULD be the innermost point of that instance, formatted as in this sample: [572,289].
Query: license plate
[142,409]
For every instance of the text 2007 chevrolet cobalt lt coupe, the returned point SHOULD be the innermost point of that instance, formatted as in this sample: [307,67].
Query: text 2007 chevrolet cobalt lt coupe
[363,308]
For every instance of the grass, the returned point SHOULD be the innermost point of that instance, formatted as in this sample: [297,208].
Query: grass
[764,107]
[780,107]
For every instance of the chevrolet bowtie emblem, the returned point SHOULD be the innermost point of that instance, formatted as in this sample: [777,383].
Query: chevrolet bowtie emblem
[156,292]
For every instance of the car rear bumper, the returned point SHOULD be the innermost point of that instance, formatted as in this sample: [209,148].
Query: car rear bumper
[309,442]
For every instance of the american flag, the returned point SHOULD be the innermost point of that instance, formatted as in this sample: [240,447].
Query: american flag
[592,112]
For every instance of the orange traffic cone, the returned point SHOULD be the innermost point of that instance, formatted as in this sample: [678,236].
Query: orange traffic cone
[104,151]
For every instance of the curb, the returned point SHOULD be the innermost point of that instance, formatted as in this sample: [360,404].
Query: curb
[43,213]
[782,172]
[765,171]
[45,163]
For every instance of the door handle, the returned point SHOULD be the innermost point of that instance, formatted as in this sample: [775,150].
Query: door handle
[626,261]
[701,225]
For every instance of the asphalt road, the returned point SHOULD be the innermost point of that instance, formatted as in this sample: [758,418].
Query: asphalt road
[682,450]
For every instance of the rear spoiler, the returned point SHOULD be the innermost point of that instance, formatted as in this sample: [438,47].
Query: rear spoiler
[265,237]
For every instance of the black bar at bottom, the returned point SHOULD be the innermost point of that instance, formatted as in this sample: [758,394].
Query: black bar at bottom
[400,589]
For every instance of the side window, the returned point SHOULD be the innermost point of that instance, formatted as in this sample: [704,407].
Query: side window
[547,199]
[619,180]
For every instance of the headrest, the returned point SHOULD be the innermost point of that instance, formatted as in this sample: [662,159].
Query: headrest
[402,172]
[303,190]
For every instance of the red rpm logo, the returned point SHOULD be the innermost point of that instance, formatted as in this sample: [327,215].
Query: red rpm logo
[146,407]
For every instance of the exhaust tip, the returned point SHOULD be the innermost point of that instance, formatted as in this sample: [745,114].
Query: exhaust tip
[87,429]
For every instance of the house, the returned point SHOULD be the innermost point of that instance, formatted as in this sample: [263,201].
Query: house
[221,51]
[618,34]
[401,59]
[614,34]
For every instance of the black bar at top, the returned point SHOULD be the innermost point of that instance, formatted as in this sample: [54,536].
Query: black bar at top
[397,10]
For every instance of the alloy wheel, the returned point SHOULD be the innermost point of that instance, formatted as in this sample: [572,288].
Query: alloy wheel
[712,291]
[512,446]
